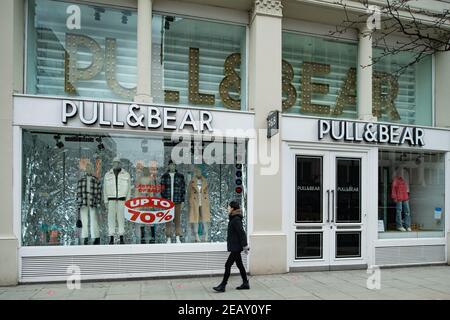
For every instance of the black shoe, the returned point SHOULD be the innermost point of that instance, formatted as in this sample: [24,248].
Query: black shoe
[143,241]
[111,240]
[121,240]
[152,241]
[86,241]
[220,288]
[244,286]
[97,241]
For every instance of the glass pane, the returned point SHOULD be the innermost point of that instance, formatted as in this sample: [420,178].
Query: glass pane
[309,189]
[81,50]
[411,92]
[308,245]
[319,76]
[348,244]
[411,194]
[348,190]
[70,176]
[198,63]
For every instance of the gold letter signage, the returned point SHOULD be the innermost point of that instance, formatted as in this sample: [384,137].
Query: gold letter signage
[231,81]
[347,94]
[73,73]
[195,96]
[385,86]
[287,87]
[383,102]
[307,87]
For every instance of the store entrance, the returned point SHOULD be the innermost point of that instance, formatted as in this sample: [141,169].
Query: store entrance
[329,215]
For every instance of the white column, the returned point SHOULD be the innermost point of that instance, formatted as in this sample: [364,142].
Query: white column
[442,94]
[11,64]
[144,51]
[364,75]
[264,96]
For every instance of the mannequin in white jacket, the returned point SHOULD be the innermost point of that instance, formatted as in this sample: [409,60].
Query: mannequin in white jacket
[116,190]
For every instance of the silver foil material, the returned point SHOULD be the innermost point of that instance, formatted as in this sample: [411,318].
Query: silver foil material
[50,181]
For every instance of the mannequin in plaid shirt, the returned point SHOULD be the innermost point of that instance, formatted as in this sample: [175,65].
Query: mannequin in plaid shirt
[89,199]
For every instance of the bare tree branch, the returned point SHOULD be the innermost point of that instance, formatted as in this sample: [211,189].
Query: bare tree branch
[420,38]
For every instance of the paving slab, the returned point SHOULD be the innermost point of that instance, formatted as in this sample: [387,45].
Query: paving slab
[18,295]
[123,297]
[89,293]
[53,293]
[431,282]
[124,289]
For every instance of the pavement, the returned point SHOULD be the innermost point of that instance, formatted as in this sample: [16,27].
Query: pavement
[412,283]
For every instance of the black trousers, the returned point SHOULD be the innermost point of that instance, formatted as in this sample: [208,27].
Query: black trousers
[232,258]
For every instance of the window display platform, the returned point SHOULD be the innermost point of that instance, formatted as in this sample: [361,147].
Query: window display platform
[410,234]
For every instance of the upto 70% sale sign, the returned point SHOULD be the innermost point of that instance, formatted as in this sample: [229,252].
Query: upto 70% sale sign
[149,210]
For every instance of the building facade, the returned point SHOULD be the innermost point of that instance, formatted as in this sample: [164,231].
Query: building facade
[127,126]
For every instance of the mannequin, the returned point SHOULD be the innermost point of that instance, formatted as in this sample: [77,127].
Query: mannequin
[400,195]
[145,185]
[173,188]
[88,199]
[116,190]
[199,204]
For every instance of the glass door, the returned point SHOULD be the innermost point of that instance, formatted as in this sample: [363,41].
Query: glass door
[311,209]
[346,224]
[329,220]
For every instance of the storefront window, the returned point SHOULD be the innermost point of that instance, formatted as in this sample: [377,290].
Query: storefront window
[411,195]
[319,76]
[84,189]
[198,63]
[81,50]
[407,98]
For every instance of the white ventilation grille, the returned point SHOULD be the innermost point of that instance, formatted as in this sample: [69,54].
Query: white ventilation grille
[54,268]
[409,255]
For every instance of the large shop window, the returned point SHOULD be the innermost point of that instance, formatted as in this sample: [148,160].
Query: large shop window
[411,195]
[81,189]
[319,76]
[407,97]
[198,63]
[81,50]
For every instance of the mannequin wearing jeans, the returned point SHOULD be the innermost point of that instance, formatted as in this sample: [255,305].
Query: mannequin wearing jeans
[116,190]
[400,195]
[89,198]
[174,189]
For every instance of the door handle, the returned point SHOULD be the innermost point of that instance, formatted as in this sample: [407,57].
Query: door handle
[328,206]
[332,205]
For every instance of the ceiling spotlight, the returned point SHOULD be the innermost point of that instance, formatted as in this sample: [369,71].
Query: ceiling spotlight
[144,146]
[100,145]
[167,22]
[125,15]
[419,159]
[98,11]
[59,143]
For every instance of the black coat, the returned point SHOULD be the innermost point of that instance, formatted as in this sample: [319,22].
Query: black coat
[236,238]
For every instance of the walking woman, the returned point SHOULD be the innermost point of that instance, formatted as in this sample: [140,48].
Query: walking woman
[236,243]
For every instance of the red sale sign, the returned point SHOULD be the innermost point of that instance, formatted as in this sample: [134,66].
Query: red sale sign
[149,210]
